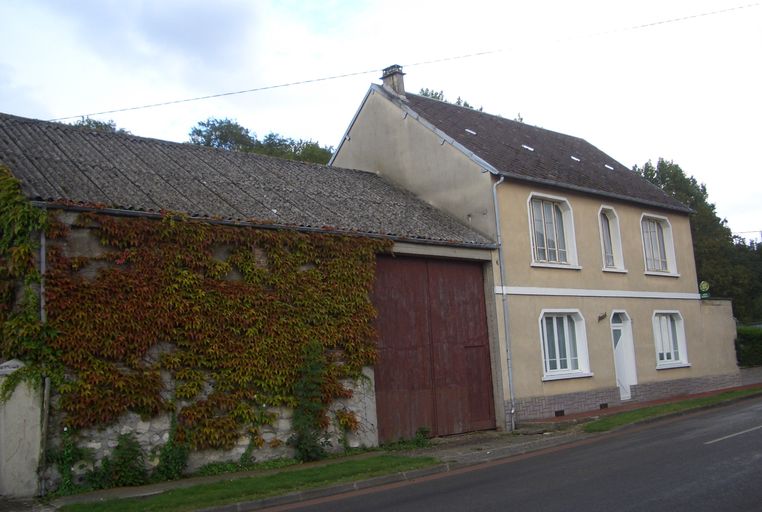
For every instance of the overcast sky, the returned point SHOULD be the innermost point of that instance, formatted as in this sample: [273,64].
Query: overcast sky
[687,90]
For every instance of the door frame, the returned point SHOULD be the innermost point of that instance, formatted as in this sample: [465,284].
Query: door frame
[625,369]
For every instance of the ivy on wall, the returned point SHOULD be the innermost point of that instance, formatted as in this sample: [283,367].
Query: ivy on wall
[226,311]
[209,321]
[22,334]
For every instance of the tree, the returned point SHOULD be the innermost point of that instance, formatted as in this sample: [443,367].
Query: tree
[431,93]
[99,126]
[222,133]
[732,268]
[228,134]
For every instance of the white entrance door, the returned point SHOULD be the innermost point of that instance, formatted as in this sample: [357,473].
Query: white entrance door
[624,353]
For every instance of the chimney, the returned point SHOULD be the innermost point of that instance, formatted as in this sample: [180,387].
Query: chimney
[392,77]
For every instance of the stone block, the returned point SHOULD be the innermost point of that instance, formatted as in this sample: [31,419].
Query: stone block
[283,425]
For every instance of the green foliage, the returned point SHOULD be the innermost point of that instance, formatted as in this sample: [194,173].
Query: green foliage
[173,457]
[732,268]
[431,93]
[222,133]
[64,458]
[261,486]
[626,418]
[99,126]
[220,468]
[420,440]
[125,466]
[22,334]
[228,134]
[439,96]
[749,346]
[309,413]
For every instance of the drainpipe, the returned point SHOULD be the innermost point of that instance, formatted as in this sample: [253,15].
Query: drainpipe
[501,264]
[46,386]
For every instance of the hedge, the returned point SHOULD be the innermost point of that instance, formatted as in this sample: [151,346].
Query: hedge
[749,346]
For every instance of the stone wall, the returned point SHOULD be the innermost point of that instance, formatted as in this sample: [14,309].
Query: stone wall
[751,376]
[540,407]
[677,387]
[153,433]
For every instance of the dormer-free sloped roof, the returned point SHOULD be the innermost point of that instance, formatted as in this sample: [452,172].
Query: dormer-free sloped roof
[64,164]
[524,152]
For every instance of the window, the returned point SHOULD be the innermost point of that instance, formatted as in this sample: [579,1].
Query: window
[669,338]
[552,232]
[658,250]
[564,345]
[611,241]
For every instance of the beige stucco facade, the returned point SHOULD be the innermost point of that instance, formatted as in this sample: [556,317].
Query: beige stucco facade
[388,138]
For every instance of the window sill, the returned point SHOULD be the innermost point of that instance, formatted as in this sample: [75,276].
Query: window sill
[556,265]
[670,366]
[564,376]
[661,274]
[615,270]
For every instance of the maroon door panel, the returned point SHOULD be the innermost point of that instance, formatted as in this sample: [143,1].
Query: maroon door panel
[403,372]
[434,367]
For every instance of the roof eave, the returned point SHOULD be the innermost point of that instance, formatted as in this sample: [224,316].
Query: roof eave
[120,212]
[612,195]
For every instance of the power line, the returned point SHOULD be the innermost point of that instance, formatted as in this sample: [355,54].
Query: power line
[421,63]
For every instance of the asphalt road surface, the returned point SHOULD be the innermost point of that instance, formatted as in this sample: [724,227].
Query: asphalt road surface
[706,461]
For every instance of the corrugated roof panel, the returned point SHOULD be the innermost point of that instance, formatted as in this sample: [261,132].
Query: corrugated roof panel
[64,162]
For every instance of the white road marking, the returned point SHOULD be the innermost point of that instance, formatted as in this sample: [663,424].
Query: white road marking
[733,435]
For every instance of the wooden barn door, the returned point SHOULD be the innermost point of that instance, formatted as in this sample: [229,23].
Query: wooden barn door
[434,365]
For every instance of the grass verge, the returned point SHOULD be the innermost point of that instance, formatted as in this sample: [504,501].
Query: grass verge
[634,416]
[245,489]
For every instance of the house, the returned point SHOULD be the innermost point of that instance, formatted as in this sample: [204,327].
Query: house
[158,268]
[597,299]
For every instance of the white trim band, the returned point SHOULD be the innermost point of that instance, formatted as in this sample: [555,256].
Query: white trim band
[582,292]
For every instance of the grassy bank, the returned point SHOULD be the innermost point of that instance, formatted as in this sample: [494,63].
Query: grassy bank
[252,488]
[637,415]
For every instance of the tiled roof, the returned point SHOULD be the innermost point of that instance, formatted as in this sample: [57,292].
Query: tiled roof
[63,163]
[524,152]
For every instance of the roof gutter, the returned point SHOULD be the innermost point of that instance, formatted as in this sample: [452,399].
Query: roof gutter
[506,330]
[565,186]
[119,212]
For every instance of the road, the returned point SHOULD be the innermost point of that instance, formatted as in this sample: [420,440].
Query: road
[706,461]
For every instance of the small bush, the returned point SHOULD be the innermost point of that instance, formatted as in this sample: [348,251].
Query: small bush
[64,458]
[749,346]
[309,411]
[173,457]
[219,468]
[125,467]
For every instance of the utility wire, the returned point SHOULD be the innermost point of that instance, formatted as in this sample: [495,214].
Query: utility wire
[421,63]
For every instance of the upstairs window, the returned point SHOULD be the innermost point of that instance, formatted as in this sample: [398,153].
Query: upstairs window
[611,240]
[658,250]
[552,232]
